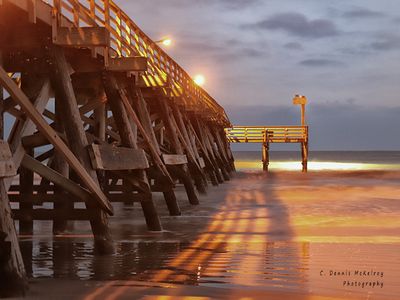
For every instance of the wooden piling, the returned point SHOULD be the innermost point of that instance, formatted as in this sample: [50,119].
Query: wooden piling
[60,165]
[144,116]
[13,281]
[78,143]
[182,171]
[128,139]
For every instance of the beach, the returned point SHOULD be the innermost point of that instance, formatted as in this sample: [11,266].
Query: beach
[316,235]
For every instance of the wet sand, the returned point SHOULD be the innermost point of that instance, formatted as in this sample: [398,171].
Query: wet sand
[321,235]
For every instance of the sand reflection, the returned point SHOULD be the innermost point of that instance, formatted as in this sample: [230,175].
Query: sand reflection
[270,232]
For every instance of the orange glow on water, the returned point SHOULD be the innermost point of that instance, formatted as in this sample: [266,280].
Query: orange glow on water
[279,208]
[315,166]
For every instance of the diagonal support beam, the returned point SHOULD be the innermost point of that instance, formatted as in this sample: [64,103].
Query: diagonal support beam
[68,185]
[53,137]
[143,132]
[26,127]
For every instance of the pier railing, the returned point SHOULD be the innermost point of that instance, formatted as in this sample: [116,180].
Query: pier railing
[127,40]
[271,134]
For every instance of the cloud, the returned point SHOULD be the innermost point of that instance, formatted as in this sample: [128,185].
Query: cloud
[320,63]
[386,42]
[228,4]
[293,46]
[237,4]
[223,51]
[362,13]
[298,25]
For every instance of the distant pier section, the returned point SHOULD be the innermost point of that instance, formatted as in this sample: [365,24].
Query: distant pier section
[267,135]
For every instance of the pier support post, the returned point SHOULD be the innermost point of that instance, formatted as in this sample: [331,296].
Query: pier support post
[265,151]
[183,173]
[60,165]
[13,281]
[304,156]
[210,160]
[265,156]
[128,139]
[78,143]
[144,116]
[218,156]
[196,171]
[26,190]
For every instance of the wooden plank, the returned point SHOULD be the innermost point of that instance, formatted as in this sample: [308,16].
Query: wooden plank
[82,36]
[53,137]
[39,199]
[49,214]
[7,167]
[127,64]
[201,162]
[32,11]
[174,159]
[86,64]
[70,186]
[107,157]
[23,37]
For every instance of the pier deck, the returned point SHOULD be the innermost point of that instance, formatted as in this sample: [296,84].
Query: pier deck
[267,135]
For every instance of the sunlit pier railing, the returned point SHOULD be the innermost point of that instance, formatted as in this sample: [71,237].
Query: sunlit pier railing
[266,135]
[126,39]
[271,134]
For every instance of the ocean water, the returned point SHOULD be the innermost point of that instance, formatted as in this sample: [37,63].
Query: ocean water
[321,160]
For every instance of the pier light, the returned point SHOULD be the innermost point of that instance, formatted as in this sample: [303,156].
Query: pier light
[165,41]
[199,79]
[301,100]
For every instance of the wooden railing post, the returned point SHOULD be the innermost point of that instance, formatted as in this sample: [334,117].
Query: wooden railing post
[56,19]
[107,25]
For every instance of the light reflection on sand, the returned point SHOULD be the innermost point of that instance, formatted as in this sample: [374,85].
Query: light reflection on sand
[273,231]
[315,166]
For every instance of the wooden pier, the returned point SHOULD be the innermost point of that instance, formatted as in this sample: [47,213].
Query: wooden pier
[99,114]
[267,135]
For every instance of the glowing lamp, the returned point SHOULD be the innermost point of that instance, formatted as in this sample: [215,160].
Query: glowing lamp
[199,79]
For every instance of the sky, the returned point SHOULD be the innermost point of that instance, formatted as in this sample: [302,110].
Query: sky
[256,54]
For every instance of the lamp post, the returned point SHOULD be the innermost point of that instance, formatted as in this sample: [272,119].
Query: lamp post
[302,101]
